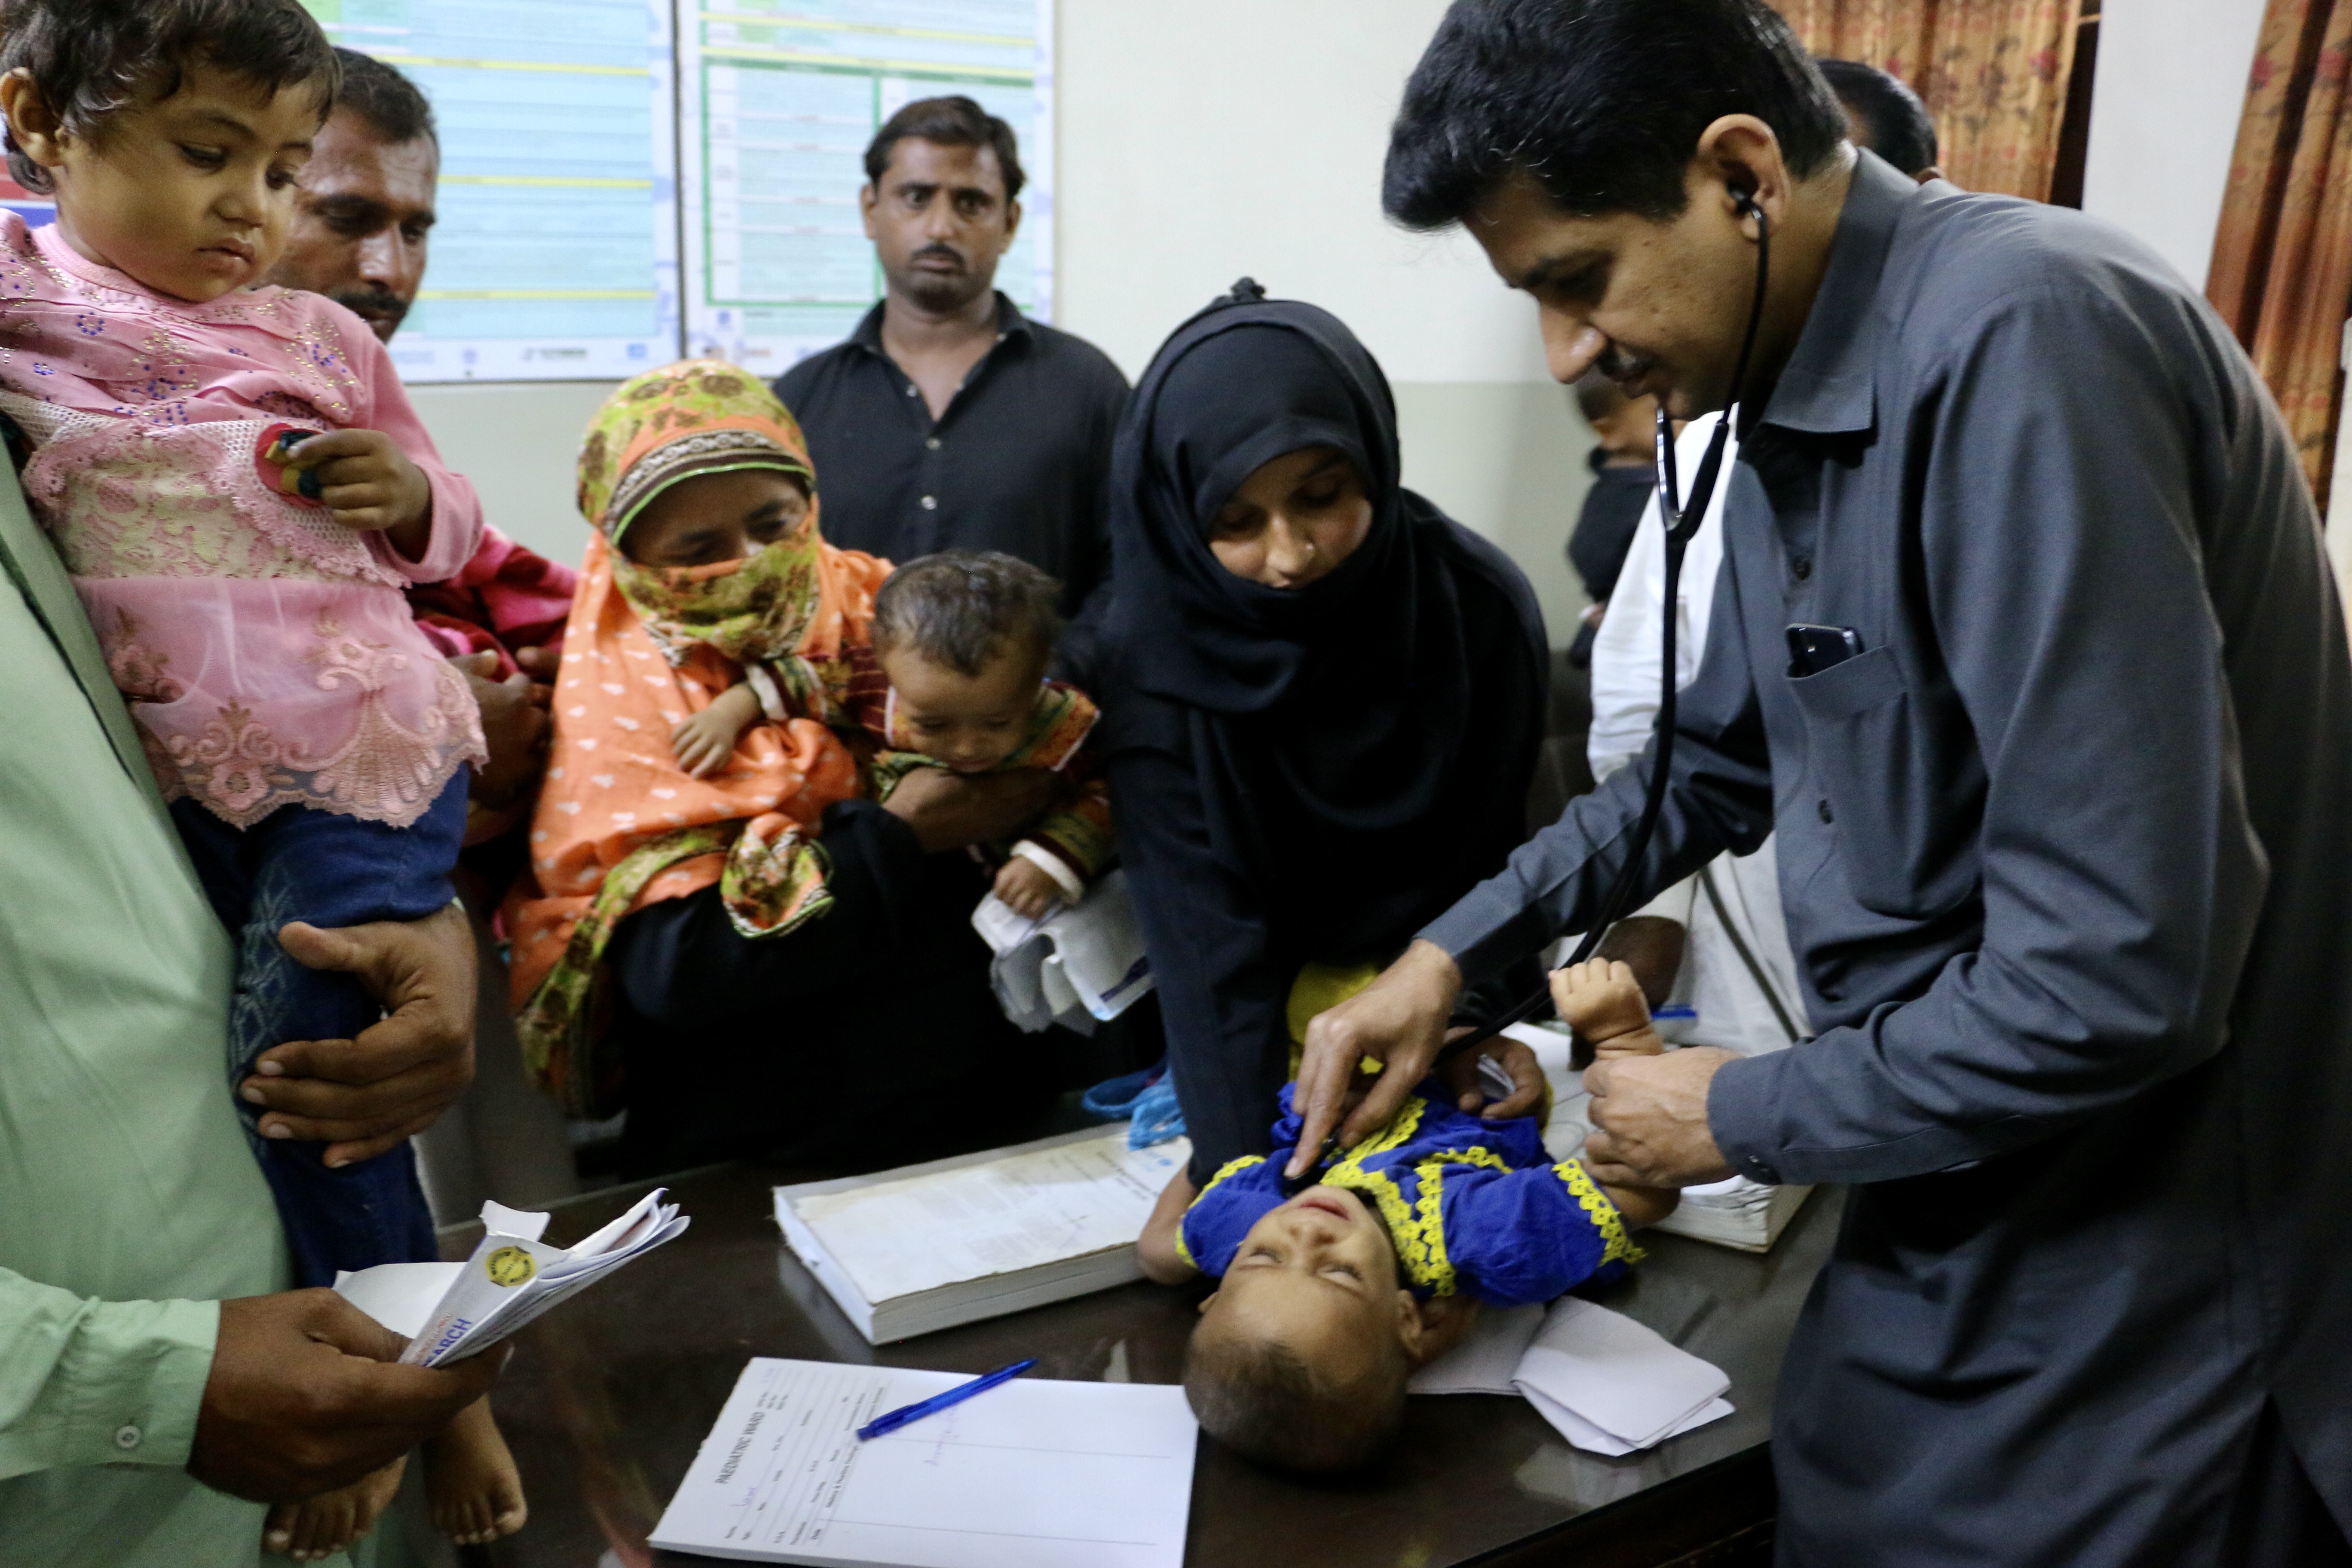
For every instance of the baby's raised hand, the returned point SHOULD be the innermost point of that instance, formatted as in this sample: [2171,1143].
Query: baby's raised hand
[1027,888]
[1603,1003]
[368,483]
[703,743]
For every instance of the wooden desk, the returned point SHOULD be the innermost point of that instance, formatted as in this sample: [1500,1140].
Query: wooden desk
[607,1399]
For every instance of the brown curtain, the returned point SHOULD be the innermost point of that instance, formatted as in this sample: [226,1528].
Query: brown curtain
[2282,272]
[1993,73]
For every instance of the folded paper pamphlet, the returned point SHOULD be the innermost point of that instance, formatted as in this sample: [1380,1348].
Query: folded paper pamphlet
[1032,1474]
[908,1251]
[452,1310]
[1077,964]
[1607,1383]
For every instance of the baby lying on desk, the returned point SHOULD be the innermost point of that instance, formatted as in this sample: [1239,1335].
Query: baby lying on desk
[1329,1300]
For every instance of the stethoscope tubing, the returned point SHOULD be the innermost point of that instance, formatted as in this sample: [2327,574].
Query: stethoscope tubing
[1680,526]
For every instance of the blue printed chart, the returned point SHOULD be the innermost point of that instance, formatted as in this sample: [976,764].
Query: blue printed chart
[778,99]
[556,253]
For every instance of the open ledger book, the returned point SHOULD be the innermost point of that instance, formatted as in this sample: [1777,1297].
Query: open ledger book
[452,1310]
[927,1247]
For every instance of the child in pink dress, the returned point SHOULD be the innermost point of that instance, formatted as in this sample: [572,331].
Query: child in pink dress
[241,492]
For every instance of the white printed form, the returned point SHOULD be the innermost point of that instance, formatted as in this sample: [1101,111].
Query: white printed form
[1032,1474]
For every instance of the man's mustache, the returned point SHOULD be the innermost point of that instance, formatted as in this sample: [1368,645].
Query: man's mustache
[1618,365]
[380,302]
[939,252]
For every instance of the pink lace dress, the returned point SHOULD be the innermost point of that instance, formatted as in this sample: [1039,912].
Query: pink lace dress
[268,651]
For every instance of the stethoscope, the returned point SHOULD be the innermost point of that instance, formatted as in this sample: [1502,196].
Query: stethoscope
[1681,525]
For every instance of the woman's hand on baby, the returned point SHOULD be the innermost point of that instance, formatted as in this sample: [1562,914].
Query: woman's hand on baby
[1027,888]
[368,483]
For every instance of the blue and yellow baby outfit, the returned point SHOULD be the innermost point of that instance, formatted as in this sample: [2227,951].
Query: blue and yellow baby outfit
[1476,1207]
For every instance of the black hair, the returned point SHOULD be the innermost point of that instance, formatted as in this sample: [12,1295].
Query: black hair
[954,122]
[1259,1399]
[1895,124]
[387,103]
[1603,102]
[961,607]
[92,58]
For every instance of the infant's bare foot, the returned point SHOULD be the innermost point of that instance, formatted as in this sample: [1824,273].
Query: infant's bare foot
[331,1522]
[471,1485]
[1603,1003]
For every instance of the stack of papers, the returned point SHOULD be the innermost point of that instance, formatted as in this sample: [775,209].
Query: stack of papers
[1735,1212]
[452,1310]
[1605,1382]
[1074,966]
[929,1246]
[1032,1474]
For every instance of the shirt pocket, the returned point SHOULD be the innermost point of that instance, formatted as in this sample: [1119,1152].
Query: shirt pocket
[1896,803]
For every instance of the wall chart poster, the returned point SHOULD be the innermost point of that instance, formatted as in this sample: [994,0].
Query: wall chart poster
[556,253]
[777,101]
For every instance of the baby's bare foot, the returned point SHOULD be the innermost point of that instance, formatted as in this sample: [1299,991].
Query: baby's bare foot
[1604,1003]
[331,1522]
[470,1482]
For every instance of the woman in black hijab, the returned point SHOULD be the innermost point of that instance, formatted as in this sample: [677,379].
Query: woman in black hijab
[1323,697]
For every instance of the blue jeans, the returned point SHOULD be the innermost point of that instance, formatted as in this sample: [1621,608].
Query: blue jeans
[298,864]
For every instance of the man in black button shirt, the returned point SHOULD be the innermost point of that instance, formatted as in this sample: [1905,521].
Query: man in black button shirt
[950,420]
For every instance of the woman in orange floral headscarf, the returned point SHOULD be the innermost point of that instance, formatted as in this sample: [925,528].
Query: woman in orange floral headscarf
[680,919]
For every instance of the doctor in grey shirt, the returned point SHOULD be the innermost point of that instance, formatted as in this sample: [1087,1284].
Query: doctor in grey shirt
[2061,802]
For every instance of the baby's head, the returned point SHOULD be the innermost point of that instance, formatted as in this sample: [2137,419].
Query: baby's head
[171,131]
[1301,1357]
[964,637]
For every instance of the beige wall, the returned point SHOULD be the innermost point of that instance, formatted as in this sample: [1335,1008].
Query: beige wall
[515,440]
[1195,145]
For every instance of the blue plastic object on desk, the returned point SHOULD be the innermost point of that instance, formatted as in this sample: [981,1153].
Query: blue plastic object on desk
[883,1425]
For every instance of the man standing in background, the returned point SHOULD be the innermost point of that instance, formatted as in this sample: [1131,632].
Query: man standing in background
[363,227]
[1884,115]
[949,420]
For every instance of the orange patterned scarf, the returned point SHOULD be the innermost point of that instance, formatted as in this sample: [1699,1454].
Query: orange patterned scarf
[620,825]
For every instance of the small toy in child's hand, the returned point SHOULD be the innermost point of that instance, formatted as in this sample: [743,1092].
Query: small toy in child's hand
[274,457]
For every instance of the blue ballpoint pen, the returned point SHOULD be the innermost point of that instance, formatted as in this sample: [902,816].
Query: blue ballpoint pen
[893,1420]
